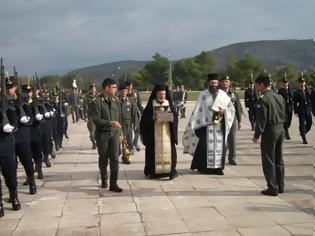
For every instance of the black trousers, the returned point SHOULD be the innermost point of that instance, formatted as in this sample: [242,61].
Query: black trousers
[36,146]
[24,152]
[7,162]
[305,121]
[271,153]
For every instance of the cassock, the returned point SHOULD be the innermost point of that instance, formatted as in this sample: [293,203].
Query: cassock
[159,138]
[206,133]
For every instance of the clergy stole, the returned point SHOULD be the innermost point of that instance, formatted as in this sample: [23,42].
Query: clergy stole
[162,140]
[214,146]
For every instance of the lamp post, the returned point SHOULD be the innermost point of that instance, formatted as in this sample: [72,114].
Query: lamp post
[170,72]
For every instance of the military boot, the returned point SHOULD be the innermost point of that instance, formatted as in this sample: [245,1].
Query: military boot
[16,205]
[47,162]
[53,155]
[287,136]
[113,183]
[39,170]
[104,183]
[32,184]
[304,139]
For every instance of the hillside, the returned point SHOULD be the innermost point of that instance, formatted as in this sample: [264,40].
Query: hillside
[274,53]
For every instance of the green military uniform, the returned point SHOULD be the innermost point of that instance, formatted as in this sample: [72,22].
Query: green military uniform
[129,118]
[89,100]
[270,116]
[105,110]
[231,139]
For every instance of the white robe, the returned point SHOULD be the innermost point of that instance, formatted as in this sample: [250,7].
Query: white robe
[202,116]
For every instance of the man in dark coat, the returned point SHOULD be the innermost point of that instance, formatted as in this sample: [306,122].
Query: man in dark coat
[270,117]
[159,135]
[287,94]
[303,108]
[250,101]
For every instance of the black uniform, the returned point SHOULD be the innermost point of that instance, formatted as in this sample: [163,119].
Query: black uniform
[303,107]
[250,101]
[313,101]
[288,96]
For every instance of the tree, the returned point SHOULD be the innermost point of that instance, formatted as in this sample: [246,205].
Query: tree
[156,71]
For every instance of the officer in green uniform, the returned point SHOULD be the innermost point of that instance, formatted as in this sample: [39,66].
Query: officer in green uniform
[270,116]
[129,116]
[107,118]
[231,139]
[89,100]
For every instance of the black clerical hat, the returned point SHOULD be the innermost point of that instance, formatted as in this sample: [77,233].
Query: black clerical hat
[213,76]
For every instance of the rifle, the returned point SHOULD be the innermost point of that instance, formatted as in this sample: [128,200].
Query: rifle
[18,93]
[5,119]
[62,114]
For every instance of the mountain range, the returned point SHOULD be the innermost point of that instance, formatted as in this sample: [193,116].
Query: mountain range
[273,53]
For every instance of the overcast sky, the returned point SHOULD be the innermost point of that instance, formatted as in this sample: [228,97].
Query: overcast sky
[58,35]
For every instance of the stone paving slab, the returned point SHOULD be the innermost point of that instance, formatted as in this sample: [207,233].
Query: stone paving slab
[70,202]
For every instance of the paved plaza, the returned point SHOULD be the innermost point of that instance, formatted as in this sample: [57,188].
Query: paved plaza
[70,202]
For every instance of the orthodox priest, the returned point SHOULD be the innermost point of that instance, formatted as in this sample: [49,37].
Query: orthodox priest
[158,131]
[207,130]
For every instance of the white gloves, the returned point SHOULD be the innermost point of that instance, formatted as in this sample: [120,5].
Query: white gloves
[66,104]
[39,117]
[8,128]
[47,115]
[24,119]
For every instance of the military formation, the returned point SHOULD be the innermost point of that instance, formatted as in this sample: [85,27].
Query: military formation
[34,124]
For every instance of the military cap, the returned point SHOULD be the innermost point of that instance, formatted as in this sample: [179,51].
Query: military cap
[92,86]
[128,83]
[301,79]
[10,82]
[213,76]
[26,88]
[225,78]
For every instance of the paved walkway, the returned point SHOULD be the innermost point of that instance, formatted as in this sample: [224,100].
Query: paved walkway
[70,202]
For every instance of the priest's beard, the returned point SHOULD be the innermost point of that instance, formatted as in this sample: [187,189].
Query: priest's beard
[213,89]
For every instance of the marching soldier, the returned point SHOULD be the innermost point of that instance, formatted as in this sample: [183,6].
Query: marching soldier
[23,135]
[89,100]
[250,101]
[129,118]
[287,93]
[136,97]
[7,160]
[74,102]
[231,140]
[36,144]
[107,119]
[302,108]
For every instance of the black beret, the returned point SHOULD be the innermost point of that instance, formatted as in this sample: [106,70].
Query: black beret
[122,86]
[128,83]
[213,76]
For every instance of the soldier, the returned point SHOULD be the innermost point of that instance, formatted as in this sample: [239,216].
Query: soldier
[107,118]
[303,108]
[287,94]
[231,140]
[74,102]
[129,118]
[270,116]
[176,99]
[36,144]
[136,97]
[22,135]
[7,160]
[313,101]
[89,100]
[250,101]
